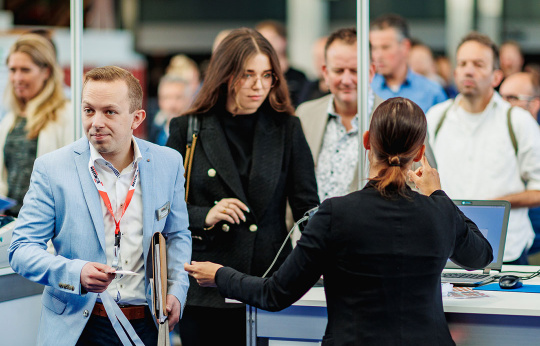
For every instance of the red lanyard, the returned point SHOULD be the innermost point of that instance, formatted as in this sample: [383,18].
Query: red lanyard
[107,201]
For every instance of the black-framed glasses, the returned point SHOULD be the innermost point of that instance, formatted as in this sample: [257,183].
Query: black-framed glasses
[268,80]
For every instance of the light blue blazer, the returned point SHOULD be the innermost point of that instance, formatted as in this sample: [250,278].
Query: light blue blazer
[64,205]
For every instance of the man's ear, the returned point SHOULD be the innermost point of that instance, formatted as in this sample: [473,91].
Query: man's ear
[365,139]
[138,118]
[371,72]
[406,44]
[325,73]
[535,107]
[497,78]
[420,153]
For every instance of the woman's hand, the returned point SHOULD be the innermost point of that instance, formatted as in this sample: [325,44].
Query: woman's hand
[228,209]
[425,178]
[203,272]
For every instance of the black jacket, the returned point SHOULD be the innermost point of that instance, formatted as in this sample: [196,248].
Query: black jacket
[282,169]
[381,260]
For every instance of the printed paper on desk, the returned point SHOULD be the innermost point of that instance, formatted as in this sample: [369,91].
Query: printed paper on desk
[465,293]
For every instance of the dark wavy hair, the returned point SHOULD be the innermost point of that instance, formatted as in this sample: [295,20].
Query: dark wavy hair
[396,133]
[227,66]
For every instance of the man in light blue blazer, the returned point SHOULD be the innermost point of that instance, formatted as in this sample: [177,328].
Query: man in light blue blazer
[80,199]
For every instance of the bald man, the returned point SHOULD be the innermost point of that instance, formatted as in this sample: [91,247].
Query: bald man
[520,90]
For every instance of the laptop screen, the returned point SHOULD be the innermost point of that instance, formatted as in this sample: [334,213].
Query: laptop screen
[491,217]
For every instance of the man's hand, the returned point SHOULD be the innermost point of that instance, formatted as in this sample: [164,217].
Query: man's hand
[94,277]
[203,272]
[173,311]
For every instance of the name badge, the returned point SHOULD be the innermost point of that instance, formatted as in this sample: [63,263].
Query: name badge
[163,211]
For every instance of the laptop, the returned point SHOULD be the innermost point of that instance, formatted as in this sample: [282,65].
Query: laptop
[491,217]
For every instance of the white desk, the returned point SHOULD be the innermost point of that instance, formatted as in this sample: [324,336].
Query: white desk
[503,318]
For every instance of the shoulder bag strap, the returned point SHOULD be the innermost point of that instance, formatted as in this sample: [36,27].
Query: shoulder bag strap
[192,135]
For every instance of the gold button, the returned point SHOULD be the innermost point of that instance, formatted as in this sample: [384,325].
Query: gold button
[211,172]
[253,228]
[225,228]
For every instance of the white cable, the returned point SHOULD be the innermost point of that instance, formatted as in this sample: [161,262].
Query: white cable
[297,224]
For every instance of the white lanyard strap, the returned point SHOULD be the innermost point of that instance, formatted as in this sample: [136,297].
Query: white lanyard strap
[120,323]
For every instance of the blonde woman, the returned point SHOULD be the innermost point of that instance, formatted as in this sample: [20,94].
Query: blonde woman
[39,118]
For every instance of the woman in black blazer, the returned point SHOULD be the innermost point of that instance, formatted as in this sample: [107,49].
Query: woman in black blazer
[251,157]
[381,250]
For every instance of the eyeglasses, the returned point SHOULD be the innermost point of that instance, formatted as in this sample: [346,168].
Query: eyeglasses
[268,80]
[516,98]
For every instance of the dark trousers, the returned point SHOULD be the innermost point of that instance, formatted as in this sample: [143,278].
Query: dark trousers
[203,326]
[99,331]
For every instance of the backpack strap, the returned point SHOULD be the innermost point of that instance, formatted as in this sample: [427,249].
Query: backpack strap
[442,120]
[511,130]
[508,121]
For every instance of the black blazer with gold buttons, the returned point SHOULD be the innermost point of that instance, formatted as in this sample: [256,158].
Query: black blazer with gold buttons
[282,170]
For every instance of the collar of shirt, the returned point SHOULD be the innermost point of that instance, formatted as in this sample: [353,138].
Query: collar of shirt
[96,158]
[409,77]
[379,82]
[331,110]
[496,101]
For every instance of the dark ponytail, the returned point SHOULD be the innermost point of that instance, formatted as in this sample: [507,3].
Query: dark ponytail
[396,133]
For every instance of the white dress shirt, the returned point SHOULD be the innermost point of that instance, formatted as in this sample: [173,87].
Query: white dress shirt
[129,289]
[476,159]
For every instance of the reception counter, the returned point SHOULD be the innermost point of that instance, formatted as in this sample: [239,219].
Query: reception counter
[20,309]
[502,318]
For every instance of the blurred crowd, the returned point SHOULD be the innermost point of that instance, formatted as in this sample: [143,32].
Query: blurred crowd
[482,114]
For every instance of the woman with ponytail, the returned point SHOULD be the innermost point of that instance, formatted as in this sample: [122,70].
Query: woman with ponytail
[381,250]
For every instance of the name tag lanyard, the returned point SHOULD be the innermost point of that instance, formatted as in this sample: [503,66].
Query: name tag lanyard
[107,201]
